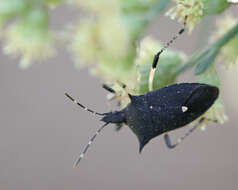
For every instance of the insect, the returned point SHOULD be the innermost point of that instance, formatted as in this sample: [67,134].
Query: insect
[159,111]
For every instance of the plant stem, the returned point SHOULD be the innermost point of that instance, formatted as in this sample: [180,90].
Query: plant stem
[218,45]
[227,37]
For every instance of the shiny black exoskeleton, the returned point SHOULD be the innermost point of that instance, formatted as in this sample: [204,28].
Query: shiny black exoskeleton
[165,109]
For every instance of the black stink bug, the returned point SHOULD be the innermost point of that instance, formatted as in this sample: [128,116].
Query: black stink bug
[159,111]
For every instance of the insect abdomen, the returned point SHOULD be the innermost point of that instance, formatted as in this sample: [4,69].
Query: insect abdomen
[195,99]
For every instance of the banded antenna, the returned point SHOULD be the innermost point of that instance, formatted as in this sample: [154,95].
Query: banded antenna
[82,106]
[94,136]
[89,144]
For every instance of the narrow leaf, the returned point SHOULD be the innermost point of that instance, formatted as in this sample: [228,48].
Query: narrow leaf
[206,61]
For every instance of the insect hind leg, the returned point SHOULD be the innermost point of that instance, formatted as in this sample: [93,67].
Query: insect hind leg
[168,141]
[167,138]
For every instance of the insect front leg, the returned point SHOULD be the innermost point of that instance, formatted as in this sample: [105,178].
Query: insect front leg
[109,89]
[157,55]
[167,138]
[114,96]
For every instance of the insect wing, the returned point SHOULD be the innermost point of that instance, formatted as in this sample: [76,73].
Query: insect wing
[172,95]
[177,105]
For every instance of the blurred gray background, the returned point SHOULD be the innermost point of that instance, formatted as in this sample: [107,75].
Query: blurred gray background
[42,132]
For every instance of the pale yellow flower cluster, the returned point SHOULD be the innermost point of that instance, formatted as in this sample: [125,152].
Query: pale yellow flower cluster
[232,1]
[102,36]
[29,38]
[216,112]
[100,7]
[194,9]
[30,47]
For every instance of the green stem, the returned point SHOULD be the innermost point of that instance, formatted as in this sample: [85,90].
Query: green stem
[216,45]
[228,36]
[158,7]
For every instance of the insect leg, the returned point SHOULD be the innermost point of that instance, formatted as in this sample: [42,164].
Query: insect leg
[122,85]
[167,138]
[168,141]
[124,88]
[156,57]
[109,89]
[118,126]
[113,94]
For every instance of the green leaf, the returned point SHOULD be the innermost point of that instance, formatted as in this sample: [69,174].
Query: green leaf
[12,8]
[53,2]
[203,53]
[142,6]
[216,112]
[164,75]
[205,61]
[210,77]
[215,6]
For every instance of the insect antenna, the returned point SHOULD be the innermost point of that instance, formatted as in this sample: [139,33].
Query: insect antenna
[156,57]
[82,106]
[89,144]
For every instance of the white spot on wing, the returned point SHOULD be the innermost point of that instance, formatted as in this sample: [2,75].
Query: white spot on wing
[184,108]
